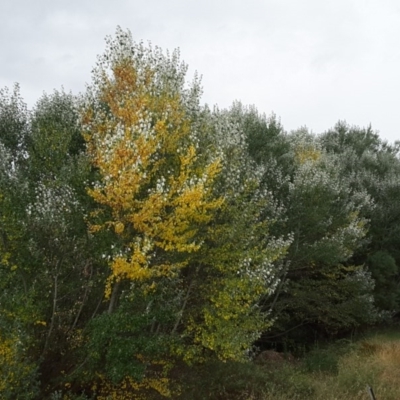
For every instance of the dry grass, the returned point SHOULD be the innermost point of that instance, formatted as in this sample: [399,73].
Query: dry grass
[375,362]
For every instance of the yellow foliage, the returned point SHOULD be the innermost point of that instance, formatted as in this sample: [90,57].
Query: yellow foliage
[119,228]
[5,258]
[188,251]
[230,321]
[15,372]
[130,388]
[307,154]
[158,190]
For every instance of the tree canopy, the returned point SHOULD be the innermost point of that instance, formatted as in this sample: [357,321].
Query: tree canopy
[143,233]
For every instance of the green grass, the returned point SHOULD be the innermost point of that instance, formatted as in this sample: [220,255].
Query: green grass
[341,370]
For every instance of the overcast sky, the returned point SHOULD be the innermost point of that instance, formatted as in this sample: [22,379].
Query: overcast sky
[312,62]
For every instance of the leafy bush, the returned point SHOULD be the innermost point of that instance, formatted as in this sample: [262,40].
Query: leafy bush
[18,375]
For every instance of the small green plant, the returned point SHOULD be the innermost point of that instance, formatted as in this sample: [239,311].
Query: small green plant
[322,360]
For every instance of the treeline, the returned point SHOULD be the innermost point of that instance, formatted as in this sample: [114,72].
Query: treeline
[143,234]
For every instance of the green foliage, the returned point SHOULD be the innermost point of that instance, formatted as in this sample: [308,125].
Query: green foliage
[18,373]
[147,241]
[384,271]
[370,164]
[322,360]
[47,262]
[14,126]
[128,341]
[116,344]
[322,213]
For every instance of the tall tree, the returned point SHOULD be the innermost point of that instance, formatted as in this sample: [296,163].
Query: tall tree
[48,263]
[320,211]
[18,370]
[370,164]
[181,202]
